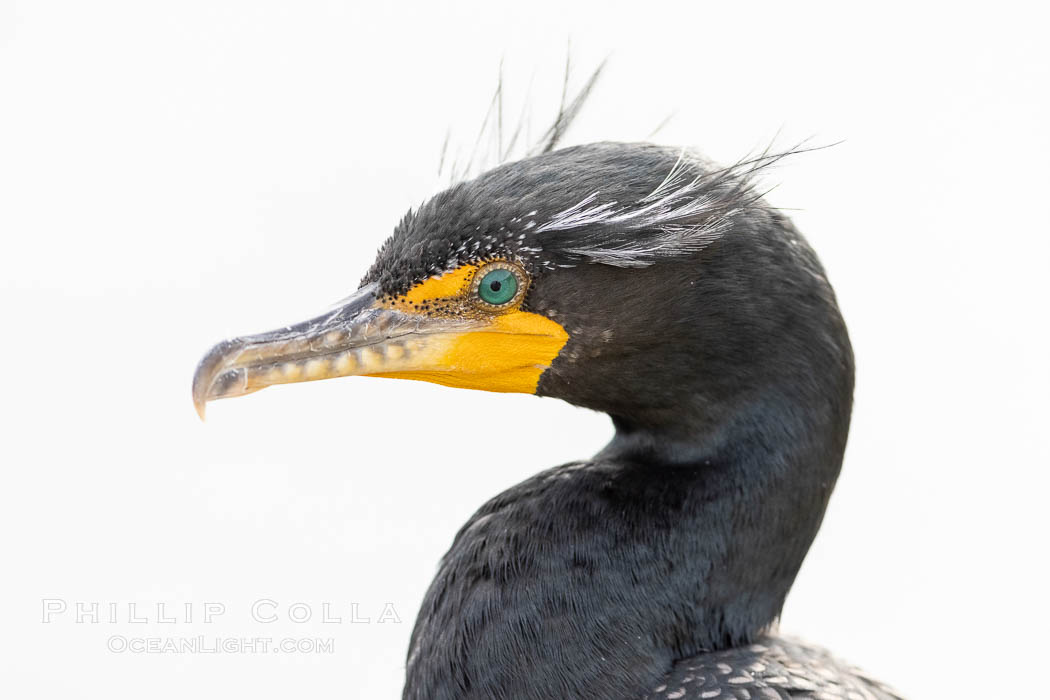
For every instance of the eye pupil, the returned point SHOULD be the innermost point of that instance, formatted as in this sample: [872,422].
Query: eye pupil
[498,286]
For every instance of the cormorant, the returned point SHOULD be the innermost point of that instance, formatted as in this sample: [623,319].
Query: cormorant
[650,284]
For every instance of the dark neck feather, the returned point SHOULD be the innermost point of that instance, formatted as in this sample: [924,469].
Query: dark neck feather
[589,580]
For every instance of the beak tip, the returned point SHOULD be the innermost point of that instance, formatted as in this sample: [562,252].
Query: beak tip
[201,384]
[208,368]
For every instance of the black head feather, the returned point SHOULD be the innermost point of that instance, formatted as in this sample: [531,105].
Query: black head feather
[624,205]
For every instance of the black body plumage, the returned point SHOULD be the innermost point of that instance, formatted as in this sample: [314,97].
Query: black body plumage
[701,321]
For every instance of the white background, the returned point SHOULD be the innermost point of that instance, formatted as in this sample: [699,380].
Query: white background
[173,173]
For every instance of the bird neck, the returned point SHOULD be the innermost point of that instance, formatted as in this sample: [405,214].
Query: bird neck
[591,579]
[749,486]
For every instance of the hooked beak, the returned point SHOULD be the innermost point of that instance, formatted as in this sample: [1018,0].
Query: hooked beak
[361,337]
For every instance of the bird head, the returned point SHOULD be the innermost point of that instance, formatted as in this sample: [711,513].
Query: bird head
[634,279]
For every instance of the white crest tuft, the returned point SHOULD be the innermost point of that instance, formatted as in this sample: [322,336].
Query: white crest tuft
[690,208]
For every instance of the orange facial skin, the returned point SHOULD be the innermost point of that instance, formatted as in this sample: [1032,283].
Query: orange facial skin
[507,352]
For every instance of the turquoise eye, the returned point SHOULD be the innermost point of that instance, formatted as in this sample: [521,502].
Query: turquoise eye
[498,286]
